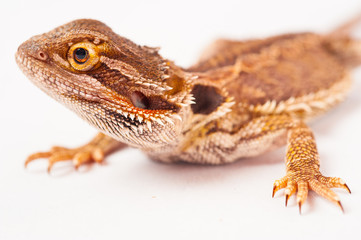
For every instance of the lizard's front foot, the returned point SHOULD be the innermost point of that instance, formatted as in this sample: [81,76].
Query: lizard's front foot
[79,155]
[302,169]
[94,151]
[302,181]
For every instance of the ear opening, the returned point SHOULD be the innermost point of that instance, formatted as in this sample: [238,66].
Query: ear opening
[207,98]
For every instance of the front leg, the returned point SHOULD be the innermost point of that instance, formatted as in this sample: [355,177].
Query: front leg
[217,144]
[302,169]
[100,146]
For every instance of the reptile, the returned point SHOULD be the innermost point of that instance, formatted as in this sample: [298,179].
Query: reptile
[241,99]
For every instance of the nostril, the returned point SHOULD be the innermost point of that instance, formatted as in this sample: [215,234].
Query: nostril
[41,55]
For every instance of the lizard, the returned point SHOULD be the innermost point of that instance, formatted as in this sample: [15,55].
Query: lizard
[241,99]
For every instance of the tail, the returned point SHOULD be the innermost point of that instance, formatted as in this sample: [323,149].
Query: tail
[346,28]
[343,45]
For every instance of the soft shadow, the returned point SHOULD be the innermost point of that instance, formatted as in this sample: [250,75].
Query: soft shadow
[202,174]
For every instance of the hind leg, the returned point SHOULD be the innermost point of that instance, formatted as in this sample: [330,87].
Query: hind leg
[346,49]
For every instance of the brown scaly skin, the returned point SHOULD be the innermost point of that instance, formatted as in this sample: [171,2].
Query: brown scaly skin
[240,100]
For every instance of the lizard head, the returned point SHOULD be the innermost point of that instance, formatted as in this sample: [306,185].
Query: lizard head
[125,90]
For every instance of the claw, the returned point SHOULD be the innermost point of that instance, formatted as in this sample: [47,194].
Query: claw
[287,197]
[340,205]
[36,156]
[279,184]
[347,188]
[274,191]
[299,207]
[76,167]
[49,167]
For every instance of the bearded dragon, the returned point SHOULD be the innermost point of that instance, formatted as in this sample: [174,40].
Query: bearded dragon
[241,99]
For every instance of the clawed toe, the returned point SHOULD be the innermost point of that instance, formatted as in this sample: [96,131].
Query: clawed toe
[333,182]
[35,156]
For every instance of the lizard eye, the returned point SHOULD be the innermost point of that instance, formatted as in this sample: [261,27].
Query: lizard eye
[83,56]
[139,100]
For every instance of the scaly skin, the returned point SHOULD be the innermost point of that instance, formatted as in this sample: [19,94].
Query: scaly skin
[240,100]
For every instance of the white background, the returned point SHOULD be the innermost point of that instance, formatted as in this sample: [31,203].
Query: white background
[132,197]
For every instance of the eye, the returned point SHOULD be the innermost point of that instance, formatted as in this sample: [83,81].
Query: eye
[81,55]
[84,56]
[139,100]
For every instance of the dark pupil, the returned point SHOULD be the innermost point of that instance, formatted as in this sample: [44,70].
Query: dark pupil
[139,100]
[81,55]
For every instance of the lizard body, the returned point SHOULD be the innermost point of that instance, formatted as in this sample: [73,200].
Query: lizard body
[242,98]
